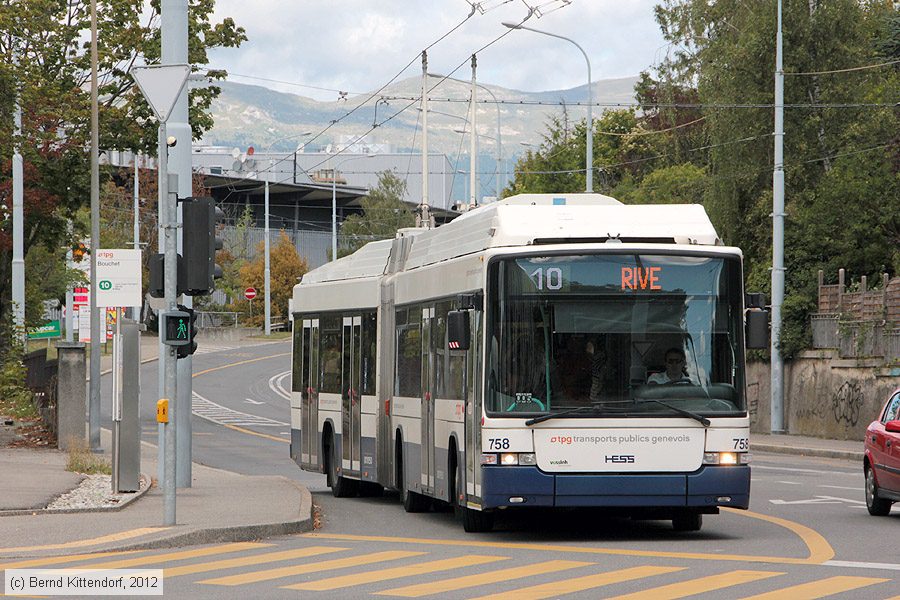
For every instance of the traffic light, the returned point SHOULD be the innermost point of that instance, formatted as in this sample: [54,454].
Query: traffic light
[191,346]
[79,251]
[180,330]
[156,288]
[199,219]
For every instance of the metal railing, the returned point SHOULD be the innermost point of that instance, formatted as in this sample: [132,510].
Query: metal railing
[211,319]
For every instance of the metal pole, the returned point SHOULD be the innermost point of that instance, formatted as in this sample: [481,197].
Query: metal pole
[170,225]
[135,310]
[18,223]
[333,211]
[267,273]
[473,143]
[423,207]
[777,383]
[69,312]
[94,401]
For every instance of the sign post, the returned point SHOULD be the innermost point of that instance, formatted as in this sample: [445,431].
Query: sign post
[250,294]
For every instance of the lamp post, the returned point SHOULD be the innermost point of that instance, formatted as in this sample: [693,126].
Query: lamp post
[334,201]
[267,272]
[589,170]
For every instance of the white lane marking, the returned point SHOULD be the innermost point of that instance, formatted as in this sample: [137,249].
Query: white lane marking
[252,401]
[790,482]
[820,500]
[276,385]
[794,470]
[842,487]
[861,565]
[209,410]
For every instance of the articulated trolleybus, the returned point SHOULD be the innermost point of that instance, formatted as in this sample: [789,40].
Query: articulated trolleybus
[539,351]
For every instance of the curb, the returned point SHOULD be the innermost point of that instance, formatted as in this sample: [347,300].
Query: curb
[145,487]
[820,452]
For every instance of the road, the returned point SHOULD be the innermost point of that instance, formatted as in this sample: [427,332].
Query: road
[807,535]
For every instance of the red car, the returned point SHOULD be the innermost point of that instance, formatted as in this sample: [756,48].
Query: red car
[882,461]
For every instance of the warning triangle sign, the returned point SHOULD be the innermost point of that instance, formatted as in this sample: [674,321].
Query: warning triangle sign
[161,86]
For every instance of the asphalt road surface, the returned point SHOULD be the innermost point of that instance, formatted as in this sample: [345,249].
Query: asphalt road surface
[806,535]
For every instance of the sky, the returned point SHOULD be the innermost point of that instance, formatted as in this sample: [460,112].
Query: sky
[316,48]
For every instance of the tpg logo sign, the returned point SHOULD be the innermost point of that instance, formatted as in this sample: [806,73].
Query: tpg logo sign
[619,458]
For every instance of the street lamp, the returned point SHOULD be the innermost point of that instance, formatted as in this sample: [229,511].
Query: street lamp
[499,136]
[334,201]
[267,272]
[589,169]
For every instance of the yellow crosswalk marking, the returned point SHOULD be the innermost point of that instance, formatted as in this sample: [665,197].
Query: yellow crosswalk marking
[244,561]
[468,581]
[56,560]
[338,563]
[155,559]
[343,581]
[698,586]
[555,589]
[819,589]
[104,539]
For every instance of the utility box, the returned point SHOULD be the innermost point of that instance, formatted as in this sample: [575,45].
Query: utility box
[71,396]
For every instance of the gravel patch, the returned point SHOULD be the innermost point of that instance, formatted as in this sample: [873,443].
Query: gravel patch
[95,491]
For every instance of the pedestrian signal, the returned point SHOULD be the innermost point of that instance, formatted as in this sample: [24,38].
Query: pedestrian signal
[177,330]
[191,347]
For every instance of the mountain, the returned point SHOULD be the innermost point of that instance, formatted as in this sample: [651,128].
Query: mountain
[250,115]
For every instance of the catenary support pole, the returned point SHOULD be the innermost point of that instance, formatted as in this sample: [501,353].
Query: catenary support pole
[94,400]
[777,383]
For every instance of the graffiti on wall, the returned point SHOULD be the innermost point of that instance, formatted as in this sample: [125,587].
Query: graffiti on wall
[846,402]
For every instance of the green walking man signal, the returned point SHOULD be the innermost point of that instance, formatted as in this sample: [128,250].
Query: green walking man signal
[180,330]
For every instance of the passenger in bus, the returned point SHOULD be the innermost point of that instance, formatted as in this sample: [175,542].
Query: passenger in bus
[675,368]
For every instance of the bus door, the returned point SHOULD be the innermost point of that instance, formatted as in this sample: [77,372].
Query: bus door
[473,409]
[300,383]
[350,401]
[427,403]
[310,414]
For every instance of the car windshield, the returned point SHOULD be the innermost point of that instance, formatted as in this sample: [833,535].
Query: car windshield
[615,332]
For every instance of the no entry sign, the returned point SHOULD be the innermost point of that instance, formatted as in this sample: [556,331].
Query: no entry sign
[250,293]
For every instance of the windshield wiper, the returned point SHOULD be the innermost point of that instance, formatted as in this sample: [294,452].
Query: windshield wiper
[702,420]
[561,413]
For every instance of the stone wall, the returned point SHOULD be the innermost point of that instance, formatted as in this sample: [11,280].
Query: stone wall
[824,396]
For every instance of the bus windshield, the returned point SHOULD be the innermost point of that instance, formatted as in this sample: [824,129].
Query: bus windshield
[622,335]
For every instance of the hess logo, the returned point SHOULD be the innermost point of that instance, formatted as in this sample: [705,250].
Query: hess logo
[619,458]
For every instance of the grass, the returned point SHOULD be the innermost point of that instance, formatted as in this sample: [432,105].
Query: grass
[82,460]
[18,406]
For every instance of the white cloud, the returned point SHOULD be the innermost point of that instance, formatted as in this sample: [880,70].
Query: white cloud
[357,45]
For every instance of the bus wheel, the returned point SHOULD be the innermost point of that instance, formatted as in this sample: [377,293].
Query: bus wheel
[412,502]
[687,521]
[341,487]
[474,521]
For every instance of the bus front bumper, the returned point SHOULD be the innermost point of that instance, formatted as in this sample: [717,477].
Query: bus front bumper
[709,487]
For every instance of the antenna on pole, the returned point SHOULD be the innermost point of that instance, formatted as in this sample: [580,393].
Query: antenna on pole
[473,143]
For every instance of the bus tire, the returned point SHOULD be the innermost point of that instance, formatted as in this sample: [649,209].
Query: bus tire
[341,487]
[474,521]
[687,521]
[412,502]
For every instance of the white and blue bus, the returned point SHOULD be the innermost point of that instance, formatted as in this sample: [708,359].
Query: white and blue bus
[539,351]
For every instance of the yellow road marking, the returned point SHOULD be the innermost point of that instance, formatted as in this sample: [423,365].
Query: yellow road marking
[819,589]
[819,548]
[182,554]
[55,560]
[579,584]
[244,561]
[340,563]
[236,364]
[698,586]
[114,537]
[468,581]
[248,431]
[434,566]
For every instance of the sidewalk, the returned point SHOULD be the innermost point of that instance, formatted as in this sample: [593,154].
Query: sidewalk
[219,507]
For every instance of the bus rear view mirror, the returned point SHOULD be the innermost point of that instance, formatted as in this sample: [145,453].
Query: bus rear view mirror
[757,333]
[458,332]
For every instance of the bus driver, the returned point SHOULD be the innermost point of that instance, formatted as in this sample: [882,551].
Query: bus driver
[675,368]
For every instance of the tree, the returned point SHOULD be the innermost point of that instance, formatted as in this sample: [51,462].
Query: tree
[286,266]
[384,212]
[51,73]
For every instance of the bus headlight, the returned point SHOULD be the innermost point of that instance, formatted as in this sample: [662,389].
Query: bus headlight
[509,458]
[489,459]
[527,458]
[726,458]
